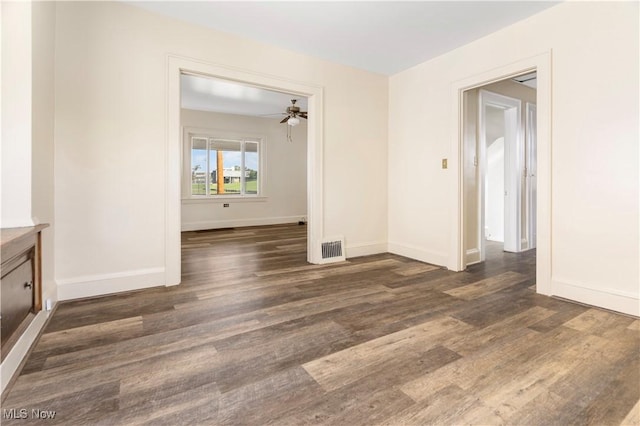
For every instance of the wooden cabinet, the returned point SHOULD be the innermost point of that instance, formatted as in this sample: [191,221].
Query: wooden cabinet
[20,283]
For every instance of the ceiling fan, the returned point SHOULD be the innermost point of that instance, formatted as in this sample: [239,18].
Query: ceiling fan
[293,114]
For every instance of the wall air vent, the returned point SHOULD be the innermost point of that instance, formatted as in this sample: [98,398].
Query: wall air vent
[332,250]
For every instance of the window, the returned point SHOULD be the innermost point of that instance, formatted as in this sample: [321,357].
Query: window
[224,167]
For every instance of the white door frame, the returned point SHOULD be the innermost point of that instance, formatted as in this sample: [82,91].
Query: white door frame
[514,163]
[178,64]
[531,173]
[542,64]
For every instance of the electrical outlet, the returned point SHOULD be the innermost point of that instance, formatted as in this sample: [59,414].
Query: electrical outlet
[225,205]
[444,163]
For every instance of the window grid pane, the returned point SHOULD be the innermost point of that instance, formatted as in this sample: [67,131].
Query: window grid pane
[251,164]
[224,166]
[226,163]
[198,166]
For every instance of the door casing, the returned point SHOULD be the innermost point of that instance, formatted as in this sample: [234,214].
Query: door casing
[176,65]
[542,64]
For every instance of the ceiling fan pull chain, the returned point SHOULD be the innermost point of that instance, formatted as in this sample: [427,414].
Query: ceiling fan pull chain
[289,138]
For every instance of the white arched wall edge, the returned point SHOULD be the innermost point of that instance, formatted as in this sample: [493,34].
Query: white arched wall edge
[542,64]
[178,64]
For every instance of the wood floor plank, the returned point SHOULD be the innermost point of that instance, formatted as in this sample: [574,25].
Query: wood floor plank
[374,397]
[131,350]
[470,343]
[250,358]
[402,308]
[90,335]
[444,407]
[197,405]
[633,417]
[485,364]
[533,374]
[92,404]
[347,366]
[491,308]
[255,335]
[256,402]
[621,393]
[487,286]
[635,325]
[164,377]
[415,269]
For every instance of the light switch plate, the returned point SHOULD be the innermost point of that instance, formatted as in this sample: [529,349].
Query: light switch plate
[444,163]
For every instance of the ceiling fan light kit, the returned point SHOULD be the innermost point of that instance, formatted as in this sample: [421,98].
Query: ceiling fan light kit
[293,121]
[293,114]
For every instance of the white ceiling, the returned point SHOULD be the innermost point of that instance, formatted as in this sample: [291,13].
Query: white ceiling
[379,36]
[382,37]
[210,94]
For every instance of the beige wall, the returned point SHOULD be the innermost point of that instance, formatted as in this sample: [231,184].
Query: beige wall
[594,147]
[284,177]
[111,88]
[16,115]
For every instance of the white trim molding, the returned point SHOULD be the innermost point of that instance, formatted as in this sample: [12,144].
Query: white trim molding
[21,348]
[616,300]
[176,65]
[99,285]
[224,200]
[234,223]
[418,253]
[365,249]
[472,256]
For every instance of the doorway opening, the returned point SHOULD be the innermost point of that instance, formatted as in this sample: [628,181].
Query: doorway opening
[177,67]
[244,155]
[499,176]
[460,133]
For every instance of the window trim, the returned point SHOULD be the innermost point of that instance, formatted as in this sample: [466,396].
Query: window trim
[211,133]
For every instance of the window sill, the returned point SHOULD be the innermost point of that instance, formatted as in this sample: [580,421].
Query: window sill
[227,199]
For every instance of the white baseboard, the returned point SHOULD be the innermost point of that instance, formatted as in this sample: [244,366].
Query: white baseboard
[15,357]
[237,223]
[99,285]
[619,301]
[472,256]
[365,249]
[18,352]
[417,253]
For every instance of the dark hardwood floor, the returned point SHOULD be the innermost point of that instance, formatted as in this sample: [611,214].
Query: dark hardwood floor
[256,336]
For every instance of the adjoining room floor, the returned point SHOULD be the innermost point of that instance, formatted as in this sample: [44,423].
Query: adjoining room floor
[255,335]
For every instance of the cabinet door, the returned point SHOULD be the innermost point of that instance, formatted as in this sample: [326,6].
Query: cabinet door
[16,297]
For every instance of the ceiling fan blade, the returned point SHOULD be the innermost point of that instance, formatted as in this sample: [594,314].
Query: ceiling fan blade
[284,120]
[303,115]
